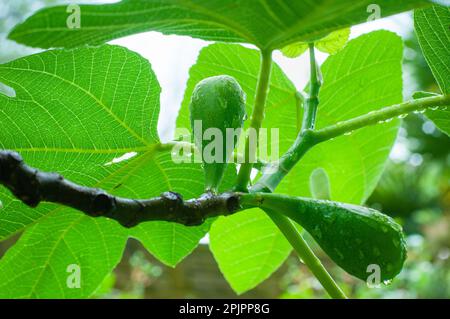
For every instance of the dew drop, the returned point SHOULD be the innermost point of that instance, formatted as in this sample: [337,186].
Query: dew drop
[402,116]
[434,108]
[348,133]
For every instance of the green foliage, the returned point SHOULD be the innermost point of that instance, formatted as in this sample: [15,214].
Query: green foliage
[365,76]
[91,114]
[248,248]
[358,95]
[432,29]
[331,44]
[12,13]
[38,265]
[266,24]
[334,42]
[78,130]
[281,107]
[79,127]
[243,64]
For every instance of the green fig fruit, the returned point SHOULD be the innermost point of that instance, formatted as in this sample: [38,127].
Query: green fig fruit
[355,237]
[217,109]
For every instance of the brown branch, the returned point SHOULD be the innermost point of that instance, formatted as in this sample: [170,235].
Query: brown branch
[32,187]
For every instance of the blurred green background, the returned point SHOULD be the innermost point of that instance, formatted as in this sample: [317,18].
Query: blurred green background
[414,189]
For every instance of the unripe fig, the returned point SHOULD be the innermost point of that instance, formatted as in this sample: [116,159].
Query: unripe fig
[359,239]
[217,108]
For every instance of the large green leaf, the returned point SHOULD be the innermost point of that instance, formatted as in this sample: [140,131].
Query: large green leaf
[256,248]
[39,265]
[248,248]
[365,76]
[78,112]
[171,242]
[265,23]
[433,30]
[75,111]
[331,44]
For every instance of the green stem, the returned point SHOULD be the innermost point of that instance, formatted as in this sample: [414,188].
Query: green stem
[300,102]
[257,118]
[306,254]
[284,224]
[309,118]
[275,172]
[380,116]
[268,182]
[308,139]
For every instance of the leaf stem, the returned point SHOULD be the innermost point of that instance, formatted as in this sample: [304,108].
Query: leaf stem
[380,116]
[257,118]
[268,182]
[300,102]
[294,237]
[309,138]
[274,173]
[283,223]
[309,118]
